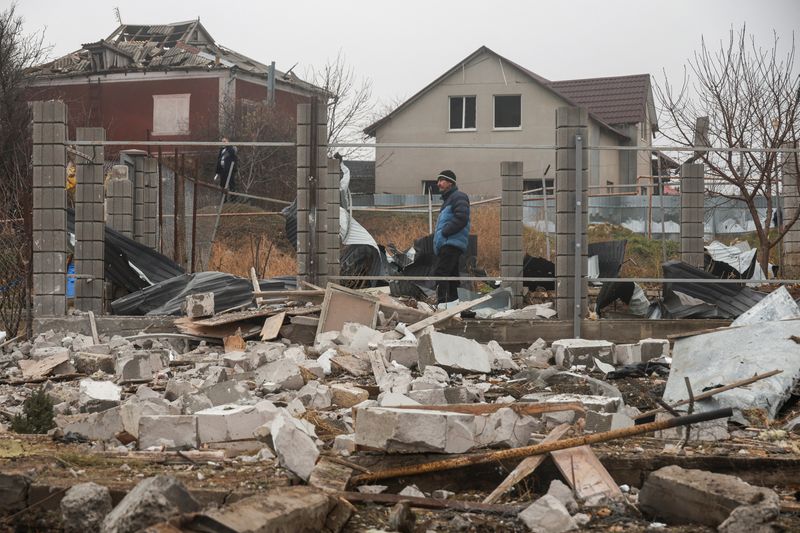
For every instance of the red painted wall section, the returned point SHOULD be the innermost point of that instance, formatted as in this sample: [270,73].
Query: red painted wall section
[285,102]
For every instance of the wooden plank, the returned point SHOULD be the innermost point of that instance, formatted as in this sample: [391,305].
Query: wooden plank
[585,473]
[272,326]
[526,467]
[406,314]
[312,321]
[230,318]
[234,343]
[353,365]
[433,503]
[378,367]
[330,476]
[446,313]
[93,325]
[186,325]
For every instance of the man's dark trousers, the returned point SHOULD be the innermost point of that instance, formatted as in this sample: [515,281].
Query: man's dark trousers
[447,265]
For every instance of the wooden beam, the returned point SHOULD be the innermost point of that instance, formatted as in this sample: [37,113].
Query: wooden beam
[432,503]
[447,313]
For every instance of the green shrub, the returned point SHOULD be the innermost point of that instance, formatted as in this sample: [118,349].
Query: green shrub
[37,414]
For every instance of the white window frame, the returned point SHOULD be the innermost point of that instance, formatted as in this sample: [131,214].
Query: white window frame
[463,112]
[180,108]
[494,112]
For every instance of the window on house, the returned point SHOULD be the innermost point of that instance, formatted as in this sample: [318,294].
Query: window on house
[171,114]
[535,186]
[462,112]
[430,186]
[507,111]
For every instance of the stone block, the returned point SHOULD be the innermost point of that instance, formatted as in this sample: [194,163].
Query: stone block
[627,354]
[653,348]
[681,496]
[98,396]
[452,353]
[228,422]
[505,428]
[132,410]
[414,431]
[227,392]
[283,374]
[600,422]
[48,351]
[442,396]
[358,338]
[100,426]
[347,395]
[547,515]
[173,432]
[296,451]
[314,395]
[84,507]
[590,402]
[198,305]
[178,387]
[569,352]
[403,352]
[345,444]
[152,501]
[138,366]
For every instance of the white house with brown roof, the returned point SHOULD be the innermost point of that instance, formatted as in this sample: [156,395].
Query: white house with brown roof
[488,100]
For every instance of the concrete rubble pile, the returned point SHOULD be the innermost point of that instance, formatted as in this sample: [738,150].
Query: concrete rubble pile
[312,412]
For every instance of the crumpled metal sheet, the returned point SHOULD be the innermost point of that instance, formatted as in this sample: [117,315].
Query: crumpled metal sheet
[165,298]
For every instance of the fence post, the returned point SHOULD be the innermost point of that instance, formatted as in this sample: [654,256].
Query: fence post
[120,201]
[49,209]
[89,223]
[333,201]
[320,173]
[571,195]
[791,203]
[303,172]
[692,185]
[511,252]
[150,177]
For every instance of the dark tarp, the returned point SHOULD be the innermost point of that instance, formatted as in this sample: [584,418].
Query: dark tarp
[611,255]
[165,298]
[122,252]
[730,299]
[538,267]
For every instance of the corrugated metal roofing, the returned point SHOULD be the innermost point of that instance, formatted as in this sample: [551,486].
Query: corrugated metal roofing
[617,100]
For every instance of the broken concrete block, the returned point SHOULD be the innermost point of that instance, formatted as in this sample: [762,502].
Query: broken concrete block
[569,352]
[229,422]
[600,404]
[191,403]
[345,444]
[285,509]
[432,377]
[240,359]
[49,351]
[178,387]
[564,494]
[627,354]
[227,392]
[389,399]
[283,374]
[198,305]
[315,395]
[547,515]
[357,338]
[324,361]
[295,353]
[138,366]
[396,379]
[84,507]
[313,367]
[152,501]
[100,426]
[89,363]
[32,369]
[267,352]
[98,395]
[403,352]
[452,353]
[505,428]
[441,494]
[214,375]
[174,432]
[132,411]
[296,451]
[347,395]
[411,430]
[654,348]
[600,422]
[443,396]
[499,358]
[412,490]
[751,519]
[711,430]
[681,496]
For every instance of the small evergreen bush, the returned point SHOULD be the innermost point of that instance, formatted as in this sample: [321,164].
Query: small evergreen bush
[37,414]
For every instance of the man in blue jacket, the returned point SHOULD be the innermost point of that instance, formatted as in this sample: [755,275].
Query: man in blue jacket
[451,235]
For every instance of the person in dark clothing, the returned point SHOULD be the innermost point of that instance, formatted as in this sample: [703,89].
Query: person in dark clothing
[226,165]
[451,235]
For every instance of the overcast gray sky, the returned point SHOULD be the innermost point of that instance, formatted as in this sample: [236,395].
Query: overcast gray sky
[403,46]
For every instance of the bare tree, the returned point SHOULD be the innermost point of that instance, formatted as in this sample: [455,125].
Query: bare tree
[350,103]
[751,96]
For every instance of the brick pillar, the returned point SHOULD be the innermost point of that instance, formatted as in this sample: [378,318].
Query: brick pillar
[119,192]
[511,253]
[150,183]
[90,223]
[311,139]
[570,121]
[333,200]
[692,186]
[49,208]
[790,200]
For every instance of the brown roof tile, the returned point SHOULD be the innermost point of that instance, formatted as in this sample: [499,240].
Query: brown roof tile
[617,100]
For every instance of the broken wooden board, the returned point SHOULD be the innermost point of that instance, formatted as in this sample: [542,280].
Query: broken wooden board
[188,326]
[342,305]
[93,326]
[354,365]
[444,314]
[305,310]
[330,476]
[312,321]
[378,366]
[526,467]
[272,326]
[405,314]
[39,369]
[585,474]
[238,316]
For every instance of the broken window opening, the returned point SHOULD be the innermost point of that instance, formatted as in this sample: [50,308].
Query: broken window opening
[507,111]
